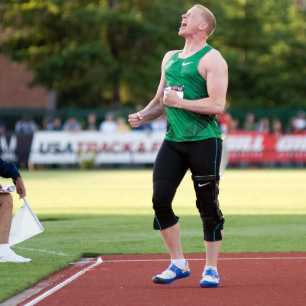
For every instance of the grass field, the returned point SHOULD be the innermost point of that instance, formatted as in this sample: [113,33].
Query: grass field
[107,212]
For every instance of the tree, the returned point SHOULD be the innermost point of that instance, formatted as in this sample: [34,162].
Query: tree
[109,51]
[90,51]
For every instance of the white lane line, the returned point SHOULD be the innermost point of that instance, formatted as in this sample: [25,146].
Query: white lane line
[42,251]
[202,259]
[63,284]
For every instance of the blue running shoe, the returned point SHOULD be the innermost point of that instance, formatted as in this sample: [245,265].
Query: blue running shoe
[171,274]
[210,279]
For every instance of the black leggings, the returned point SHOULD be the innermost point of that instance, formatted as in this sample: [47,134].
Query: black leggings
[172,162]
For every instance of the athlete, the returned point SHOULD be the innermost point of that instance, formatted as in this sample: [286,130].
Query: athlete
[8,170]
[192,91]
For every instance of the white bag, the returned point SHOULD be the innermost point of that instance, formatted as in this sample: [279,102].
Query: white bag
[25,225]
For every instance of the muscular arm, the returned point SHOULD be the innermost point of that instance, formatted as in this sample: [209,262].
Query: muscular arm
[214,69]
[155,107]
[153,112]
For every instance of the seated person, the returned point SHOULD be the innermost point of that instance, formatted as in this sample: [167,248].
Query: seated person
[8,170]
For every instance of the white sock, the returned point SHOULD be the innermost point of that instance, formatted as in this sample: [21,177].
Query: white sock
[181,263]
[210,267]
[4,247]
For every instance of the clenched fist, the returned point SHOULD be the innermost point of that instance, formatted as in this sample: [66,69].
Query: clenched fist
[136,120]
[171,98]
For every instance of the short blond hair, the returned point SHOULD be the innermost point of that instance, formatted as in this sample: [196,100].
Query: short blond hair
[209,17]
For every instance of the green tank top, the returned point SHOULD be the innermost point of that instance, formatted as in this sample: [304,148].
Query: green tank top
[182,74]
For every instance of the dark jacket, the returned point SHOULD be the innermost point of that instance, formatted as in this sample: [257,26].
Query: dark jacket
[8,170]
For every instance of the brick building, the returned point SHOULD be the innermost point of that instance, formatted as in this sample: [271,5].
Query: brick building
[15,89]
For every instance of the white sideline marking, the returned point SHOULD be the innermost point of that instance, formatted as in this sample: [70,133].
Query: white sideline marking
[42,251]
[64,283]
[202,259]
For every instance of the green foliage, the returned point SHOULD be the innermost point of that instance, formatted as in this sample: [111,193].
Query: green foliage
[109,51]
[261,45]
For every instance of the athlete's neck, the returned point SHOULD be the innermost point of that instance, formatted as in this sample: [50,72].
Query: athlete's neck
[193,45]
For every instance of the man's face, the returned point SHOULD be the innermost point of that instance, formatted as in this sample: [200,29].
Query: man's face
[192,22]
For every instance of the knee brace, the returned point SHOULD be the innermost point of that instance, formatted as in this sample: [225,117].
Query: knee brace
[207,190]
[163,193]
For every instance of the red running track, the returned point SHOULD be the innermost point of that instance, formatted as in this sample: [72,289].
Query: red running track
[253,279]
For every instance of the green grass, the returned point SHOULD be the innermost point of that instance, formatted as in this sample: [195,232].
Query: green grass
[107,212]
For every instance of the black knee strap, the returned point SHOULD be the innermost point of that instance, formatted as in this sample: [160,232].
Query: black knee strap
[205,178]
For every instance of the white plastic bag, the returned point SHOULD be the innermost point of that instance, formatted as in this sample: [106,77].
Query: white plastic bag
[25,225]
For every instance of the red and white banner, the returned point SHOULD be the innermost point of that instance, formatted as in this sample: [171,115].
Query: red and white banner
[265,148]
[142,147]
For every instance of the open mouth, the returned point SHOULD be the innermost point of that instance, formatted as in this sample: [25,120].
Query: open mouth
[183,24]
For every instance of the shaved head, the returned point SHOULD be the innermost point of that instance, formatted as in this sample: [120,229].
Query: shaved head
[209,17]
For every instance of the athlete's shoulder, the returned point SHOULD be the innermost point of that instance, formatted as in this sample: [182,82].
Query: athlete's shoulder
[215,56]
[168,55]
[213,61]
[171,53]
